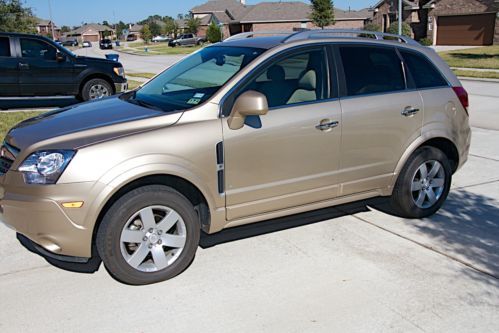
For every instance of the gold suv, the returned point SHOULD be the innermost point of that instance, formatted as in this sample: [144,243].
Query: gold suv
[239,132]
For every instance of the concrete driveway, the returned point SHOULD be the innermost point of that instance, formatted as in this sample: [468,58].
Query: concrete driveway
[347,269]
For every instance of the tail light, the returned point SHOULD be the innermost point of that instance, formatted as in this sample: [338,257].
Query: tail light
[463,97]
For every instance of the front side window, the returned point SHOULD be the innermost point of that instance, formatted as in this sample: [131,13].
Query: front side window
[195,79]
[295,79]
[423,72]
[370,70]
[32,48]
[4,47]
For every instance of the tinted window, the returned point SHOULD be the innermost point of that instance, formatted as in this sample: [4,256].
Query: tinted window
[4,47]
[371,70]
[298,78]
[423,72]
[32,48]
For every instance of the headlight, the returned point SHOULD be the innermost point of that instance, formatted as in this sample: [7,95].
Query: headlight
[120,71]
[45,167]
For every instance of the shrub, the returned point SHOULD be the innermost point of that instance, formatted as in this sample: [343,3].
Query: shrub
[394,29]
[372,27]
[213,34]
[426,41]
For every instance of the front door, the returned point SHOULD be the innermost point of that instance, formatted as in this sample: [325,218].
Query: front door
[40,73]
[290,156]
[9,72]
[381,117]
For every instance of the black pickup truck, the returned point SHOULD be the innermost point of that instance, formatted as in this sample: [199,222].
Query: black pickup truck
[32,65]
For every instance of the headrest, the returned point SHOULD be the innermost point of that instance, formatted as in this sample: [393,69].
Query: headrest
[308,80]
[276,73]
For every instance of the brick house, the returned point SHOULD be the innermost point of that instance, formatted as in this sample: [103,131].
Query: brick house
[234,16]
[44,28]
[89,32]
[445,22]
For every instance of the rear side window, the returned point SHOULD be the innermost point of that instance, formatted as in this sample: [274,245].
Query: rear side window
[4,47]
[370,70]
[423,72]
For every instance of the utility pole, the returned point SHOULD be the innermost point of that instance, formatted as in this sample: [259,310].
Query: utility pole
[51,22]
[400,17]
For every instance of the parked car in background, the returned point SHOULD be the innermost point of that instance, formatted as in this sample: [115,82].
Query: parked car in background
[70,42]
[242,131]
[105,44]
[86,44]
[131,38]
[32,65]
[186,40]
[161,39]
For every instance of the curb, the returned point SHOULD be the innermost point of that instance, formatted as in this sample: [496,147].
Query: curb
[466,78]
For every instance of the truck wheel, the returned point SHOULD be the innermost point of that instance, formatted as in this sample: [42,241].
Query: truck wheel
[149,235]
[423,184]
[96,89]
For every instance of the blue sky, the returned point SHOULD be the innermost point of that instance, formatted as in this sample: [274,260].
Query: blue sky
[74,12]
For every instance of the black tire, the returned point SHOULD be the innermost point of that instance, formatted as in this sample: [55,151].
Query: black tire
[108,236]
[403,199]
[85,90]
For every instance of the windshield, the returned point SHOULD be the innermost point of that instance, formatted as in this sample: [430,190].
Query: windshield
[195,79]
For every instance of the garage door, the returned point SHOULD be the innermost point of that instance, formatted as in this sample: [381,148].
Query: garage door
[466,29]
[91,38]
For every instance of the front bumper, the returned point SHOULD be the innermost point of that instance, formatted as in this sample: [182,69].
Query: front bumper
[121,87]
[36,212]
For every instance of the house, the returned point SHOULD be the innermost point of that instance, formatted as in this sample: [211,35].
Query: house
[445,22]
[90,32]
[44,27]
[235,16]
[134,31]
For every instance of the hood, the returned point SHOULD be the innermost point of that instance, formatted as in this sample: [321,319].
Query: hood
[85,60]
[87,123]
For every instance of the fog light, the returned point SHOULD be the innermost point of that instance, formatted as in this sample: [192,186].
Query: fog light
[75,204]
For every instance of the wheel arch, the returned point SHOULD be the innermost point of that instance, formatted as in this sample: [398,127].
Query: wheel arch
[182,185]
[96,76]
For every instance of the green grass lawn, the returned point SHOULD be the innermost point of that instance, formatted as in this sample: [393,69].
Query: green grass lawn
[132,84]
[157,49]
[9,119]
[144,75]
[480,57]
[477,74]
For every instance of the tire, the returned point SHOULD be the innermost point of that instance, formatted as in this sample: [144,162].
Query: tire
[123,223]
[416,196]
[95,89]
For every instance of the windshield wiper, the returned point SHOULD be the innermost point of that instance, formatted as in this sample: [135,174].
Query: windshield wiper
[144,104]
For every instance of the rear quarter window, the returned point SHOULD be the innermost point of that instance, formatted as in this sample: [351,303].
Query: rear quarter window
[4,47]
[423,72]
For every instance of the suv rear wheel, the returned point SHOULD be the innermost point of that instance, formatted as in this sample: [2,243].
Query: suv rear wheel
[423,184]
[149,235]
[96,89]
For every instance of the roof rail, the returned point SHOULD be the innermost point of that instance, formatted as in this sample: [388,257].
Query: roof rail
[250,34]
[308,34]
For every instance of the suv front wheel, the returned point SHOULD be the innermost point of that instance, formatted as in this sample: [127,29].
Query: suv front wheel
[423,184]
[149,235]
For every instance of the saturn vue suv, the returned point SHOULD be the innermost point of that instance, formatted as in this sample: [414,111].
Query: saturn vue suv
[247,130]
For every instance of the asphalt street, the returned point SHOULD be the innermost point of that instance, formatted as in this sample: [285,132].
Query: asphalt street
[352,268]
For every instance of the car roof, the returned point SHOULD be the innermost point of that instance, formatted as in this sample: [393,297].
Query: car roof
[267,42]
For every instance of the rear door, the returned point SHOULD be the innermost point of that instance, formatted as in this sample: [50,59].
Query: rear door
[381,116]
[40,73]
[9,72]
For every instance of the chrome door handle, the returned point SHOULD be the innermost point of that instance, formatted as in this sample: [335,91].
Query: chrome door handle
[409,111]
[325,126]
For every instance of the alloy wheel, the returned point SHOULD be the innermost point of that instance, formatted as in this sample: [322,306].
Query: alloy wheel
[98,91]
[428,184]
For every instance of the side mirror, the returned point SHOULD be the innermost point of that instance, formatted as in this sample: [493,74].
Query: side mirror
[60,57]
[250,103]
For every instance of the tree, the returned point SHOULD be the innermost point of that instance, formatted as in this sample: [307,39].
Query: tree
[146,33]
[155,28]
[105,23]
[65,29]
[171,27]
[322,13]
[120,26]
[214,34]
[193,24]
[406,29]
[14,17]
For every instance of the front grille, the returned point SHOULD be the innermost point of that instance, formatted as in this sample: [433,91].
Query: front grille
[8,154]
